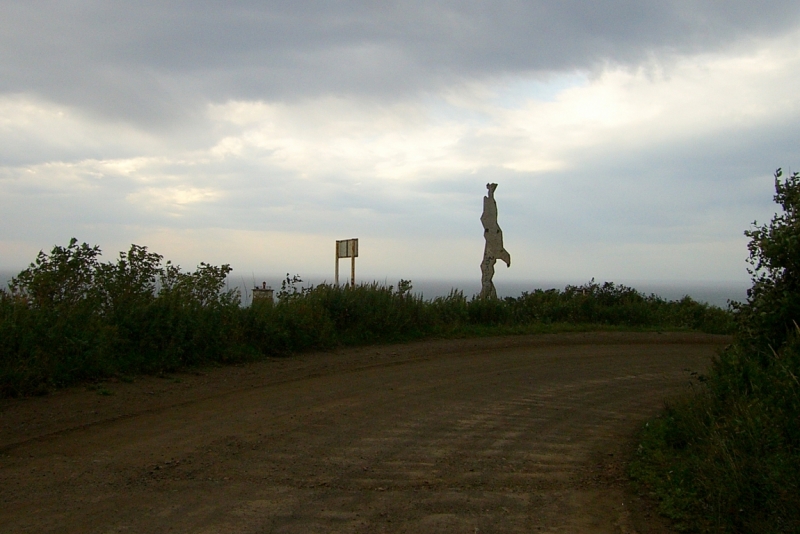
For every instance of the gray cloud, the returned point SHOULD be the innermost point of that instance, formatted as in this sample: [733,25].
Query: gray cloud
[152,63]
[624,172]
[704,190]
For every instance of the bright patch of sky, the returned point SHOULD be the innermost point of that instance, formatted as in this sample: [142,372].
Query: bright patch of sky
[517,92]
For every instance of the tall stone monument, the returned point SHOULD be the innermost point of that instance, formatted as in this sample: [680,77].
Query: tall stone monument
[493,250]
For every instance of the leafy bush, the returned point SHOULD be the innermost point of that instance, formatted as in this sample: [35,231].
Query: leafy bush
[610,304]
[69,317]
[773,304]
[727,459]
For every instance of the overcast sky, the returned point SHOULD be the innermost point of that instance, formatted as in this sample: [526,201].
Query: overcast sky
[630,140]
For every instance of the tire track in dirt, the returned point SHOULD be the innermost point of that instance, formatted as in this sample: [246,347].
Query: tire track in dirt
[485,437]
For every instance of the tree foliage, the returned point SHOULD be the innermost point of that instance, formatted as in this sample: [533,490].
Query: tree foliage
[773,306]
[727,459]
[70,317]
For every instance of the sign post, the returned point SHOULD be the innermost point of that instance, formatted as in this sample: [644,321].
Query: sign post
[347,248]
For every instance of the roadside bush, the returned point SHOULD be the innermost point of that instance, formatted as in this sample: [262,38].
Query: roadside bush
[606,304]
[773,304]
[70,318]
[451,312]
[727,458]
[491,312]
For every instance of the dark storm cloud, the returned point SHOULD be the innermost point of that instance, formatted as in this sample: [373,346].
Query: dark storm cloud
[152,63]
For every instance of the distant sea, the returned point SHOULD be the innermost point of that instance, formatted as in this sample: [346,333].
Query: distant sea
[715,293]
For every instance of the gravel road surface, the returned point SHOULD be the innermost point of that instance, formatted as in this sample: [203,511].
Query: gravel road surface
[511,434]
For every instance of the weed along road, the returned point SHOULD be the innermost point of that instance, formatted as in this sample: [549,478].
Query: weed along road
[513,434]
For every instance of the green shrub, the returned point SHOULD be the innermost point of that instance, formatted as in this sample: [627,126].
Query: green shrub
[727,458]
[773,304]
[71,318]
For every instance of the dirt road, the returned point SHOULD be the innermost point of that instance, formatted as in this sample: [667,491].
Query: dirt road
[517,434]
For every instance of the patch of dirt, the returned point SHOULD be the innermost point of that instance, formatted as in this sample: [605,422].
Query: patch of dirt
[511,434]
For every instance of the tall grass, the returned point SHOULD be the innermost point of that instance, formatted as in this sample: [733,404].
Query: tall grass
[727,457]
[70,318]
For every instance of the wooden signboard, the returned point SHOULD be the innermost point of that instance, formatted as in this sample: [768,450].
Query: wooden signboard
[347,248]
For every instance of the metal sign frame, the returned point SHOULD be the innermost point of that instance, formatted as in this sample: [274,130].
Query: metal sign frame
[347,248]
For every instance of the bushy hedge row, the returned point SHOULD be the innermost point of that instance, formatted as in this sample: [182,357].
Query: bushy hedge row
[606,304]
[69,317]
[727,458]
